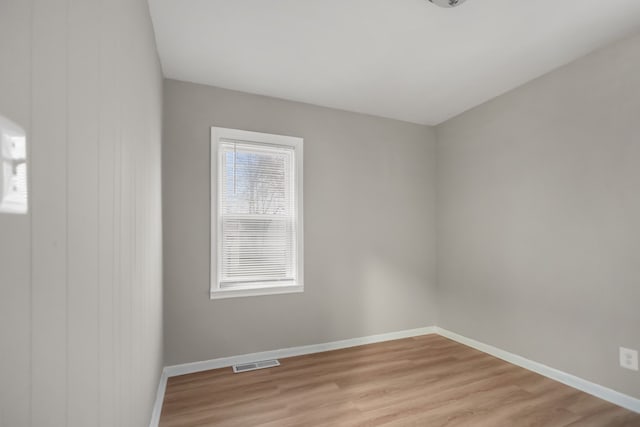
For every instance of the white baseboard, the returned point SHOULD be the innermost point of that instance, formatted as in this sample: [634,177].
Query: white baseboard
[593,389]
[157,406]
[189,368]
[599,391]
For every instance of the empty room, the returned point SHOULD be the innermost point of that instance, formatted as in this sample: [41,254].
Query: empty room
[300,213]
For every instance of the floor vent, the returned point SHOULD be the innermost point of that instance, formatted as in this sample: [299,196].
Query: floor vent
[245,367]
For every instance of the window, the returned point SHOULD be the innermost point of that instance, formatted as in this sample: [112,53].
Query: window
[256,214]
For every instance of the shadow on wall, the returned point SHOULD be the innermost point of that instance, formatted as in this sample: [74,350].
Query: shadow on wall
[382,272]
[374,292]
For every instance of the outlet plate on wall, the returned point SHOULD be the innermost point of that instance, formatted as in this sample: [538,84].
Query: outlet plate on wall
[629,358]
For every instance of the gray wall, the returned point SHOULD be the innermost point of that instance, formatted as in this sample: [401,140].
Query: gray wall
[539,218]
[369,188]
[80,275]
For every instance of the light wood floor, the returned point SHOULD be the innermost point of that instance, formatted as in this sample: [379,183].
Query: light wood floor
[423,381]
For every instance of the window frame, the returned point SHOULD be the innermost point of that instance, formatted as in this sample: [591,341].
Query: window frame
[219,134]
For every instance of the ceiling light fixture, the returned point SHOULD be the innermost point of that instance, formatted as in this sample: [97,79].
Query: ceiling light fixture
[447,3]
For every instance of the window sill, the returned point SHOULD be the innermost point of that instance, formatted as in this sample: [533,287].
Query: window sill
[253,292]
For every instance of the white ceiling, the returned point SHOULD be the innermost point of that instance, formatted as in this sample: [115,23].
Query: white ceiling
[403,59]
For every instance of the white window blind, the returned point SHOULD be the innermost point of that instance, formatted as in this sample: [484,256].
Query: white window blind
[257,215]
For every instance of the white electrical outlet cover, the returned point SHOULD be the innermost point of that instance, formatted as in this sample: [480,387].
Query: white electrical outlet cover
[629,358]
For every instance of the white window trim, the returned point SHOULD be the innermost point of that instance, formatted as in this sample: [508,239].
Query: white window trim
[218,134]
